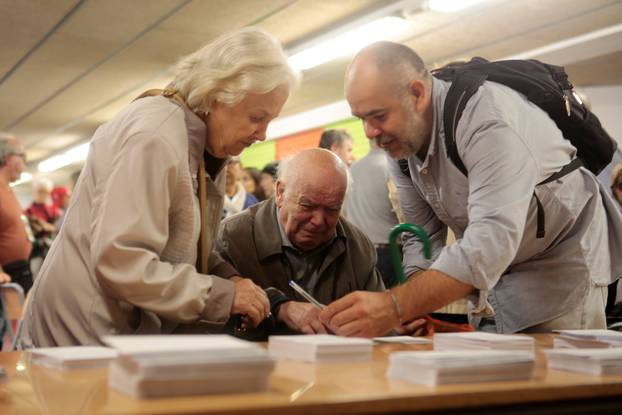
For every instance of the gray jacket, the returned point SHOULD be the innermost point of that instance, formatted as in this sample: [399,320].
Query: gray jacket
[251,242]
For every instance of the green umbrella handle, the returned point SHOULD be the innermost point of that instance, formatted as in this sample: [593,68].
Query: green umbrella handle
[395,252]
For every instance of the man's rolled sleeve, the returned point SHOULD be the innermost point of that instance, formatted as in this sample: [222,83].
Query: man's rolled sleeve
[412,249]
[454,262]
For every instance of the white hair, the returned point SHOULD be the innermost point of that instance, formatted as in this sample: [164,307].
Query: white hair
[283,166]
[232,65]
[7,146]
[42,183]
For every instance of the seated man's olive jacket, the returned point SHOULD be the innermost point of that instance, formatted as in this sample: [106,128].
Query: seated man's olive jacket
[251,242]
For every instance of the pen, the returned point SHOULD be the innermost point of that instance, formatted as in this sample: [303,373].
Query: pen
[306,295]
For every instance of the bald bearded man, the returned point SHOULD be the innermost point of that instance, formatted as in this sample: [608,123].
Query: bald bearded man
[517,280]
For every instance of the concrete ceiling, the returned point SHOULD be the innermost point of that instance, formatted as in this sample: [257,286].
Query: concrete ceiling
[66,66]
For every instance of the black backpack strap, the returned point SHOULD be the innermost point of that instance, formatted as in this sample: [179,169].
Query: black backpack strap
[462,88]
[568,168]
[539,218]
[403,163]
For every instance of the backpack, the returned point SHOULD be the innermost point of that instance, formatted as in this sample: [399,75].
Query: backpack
[545,85]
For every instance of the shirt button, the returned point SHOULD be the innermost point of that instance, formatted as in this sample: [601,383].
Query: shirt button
[424,171]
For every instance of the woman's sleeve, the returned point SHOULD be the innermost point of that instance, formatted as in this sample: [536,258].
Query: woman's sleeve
[130,231]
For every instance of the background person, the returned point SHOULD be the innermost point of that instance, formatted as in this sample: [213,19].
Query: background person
[268,178]
[60,199]
[251,176]
[42,216]
[340,143]
[15,243]
[236,196]
[370,208]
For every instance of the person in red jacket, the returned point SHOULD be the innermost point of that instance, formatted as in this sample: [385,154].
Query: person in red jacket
[42,217]
[60,199]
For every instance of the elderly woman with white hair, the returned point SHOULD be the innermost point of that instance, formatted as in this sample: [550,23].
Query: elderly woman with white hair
[42,216]
[126,260]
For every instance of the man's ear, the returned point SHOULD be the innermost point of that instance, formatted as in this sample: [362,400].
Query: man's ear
[418,93]
[279,193]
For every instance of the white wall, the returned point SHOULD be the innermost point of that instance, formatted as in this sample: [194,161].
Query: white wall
[607,105]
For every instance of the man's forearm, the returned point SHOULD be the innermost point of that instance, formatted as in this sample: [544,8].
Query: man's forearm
[429,291]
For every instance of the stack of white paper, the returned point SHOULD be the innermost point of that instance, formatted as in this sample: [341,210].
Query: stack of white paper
[482,341]
[75,357]
[320,348]
[591,361]
[570,339]
[437,368]
[155,366]
[402,340]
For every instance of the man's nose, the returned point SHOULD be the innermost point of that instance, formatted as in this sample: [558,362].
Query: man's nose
[370,130]
[318,218]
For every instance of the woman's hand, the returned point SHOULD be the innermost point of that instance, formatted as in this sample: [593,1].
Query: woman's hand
[4,278]
[250,300]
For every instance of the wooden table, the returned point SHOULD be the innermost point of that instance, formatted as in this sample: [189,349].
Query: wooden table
[303,388]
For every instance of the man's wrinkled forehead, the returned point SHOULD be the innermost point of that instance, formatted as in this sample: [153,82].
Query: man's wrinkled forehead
[320,192]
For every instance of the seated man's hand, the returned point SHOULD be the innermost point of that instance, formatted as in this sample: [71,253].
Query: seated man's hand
[250,300]
[302,317]
[416,327]
[4,278]
[361,314]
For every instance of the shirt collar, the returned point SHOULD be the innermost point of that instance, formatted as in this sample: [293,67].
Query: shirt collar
[284,239]
[439,92]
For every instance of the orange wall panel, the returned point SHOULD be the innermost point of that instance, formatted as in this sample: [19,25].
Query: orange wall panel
[292,144]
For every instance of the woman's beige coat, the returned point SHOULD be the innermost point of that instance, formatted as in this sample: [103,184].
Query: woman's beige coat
[124,260]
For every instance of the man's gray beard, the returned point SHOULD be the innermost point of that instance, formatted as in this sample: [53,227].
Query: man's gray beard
[408,148]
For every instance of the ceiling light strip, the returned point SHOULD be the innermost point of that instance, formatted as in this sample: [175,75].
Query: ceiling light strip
[327,35]
[568,43]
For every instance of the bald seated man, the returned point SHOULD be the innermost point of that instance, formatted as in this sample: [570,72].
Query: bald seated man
[299,235]
[517,279]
